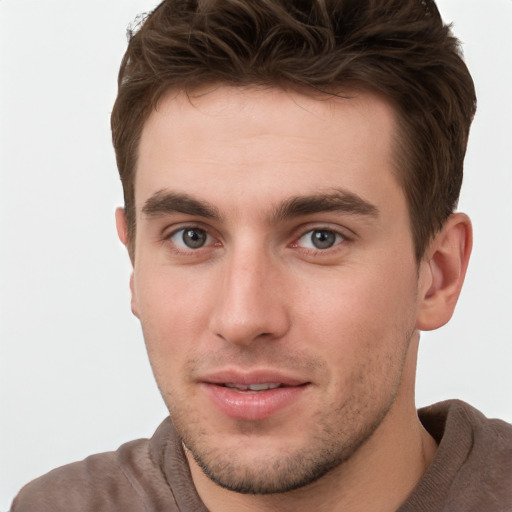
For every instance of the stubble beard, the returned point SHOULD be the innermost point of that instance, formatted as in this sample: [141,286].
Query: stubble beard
[333,440]
[327,448]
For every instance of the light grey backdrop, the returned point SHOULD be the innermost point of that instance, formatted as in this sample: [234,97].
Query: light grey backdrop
[74,377]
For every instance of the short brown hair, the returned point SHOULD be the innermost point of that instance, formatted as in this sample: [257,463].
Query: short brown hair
[399,48]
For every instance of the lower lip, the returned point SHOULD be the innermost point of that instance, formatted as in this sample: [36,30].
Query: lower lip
[253,406]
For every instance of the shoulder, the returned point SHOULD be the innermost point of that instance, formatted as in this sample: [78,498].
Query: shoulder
[111,481]
[456,422]
[474,459]
[486,476]
[84,485]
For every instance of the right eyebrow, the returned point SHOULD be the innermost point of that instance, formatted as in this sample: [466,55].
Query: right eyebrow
[165,202]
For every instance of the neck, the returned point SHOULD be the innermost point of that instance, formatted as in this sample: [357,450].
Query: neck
[379,475]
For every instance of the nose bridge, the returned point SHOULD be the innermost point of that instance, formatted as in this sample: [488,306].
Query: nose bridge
[250,305]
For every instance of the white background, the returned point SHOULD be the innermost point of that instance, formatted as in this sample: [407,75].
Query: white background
[74,377]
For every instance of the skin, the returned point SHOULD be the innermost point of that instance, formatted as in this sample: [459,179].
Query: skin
[258,297]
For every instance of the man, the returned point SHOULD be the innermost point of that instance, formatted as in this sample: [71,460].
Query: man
[290,173]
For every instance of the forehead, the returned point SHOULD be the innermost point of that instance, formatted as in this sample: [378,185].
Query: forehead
[262,143]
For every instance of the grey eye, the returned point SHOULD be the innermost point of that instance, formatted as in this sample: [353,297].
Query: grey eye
[194,238]
[320,239]
[190,238]
[323,239]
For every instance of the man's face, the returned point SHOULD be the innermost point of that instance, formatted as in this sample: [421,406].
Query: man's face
[275,279]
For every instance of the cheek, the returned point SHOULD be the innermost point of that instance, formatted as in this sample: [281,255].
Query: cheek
[173,312]
[355,317]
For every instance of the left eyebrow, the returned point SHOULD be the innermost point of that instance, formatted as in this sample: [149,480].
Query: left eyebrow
[337,201]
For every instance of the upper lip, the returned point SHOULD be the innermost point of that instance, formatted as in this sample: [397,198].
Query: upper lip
[247,378]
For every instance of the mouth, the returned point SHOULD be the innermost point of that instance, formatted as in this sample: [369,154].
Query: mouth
[254,397]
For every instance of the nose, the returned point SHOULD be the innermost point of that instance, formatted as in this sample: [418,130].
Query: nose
[251,304]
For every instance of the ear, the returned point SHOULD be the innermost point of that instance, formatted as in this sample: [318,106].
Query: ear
[122,233]
[443,270]
[122,227]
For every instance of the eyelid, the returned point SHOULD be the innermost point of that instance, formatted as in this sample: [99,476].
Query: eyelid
[338,238]
[214,239]
[304,229]
[346,235]
[171,231]
[179,243]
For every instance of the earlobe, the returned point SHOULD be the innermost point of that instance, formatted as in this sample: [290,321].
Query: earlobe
[444,269]
[135,309]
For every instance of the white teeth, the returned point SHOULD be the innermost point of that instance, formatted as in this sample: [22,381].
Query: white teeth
[252,387]
[262,387]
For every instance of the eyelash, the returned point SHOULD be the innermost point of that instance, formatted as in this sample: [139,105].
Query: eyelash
[188,251]
[338,239]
